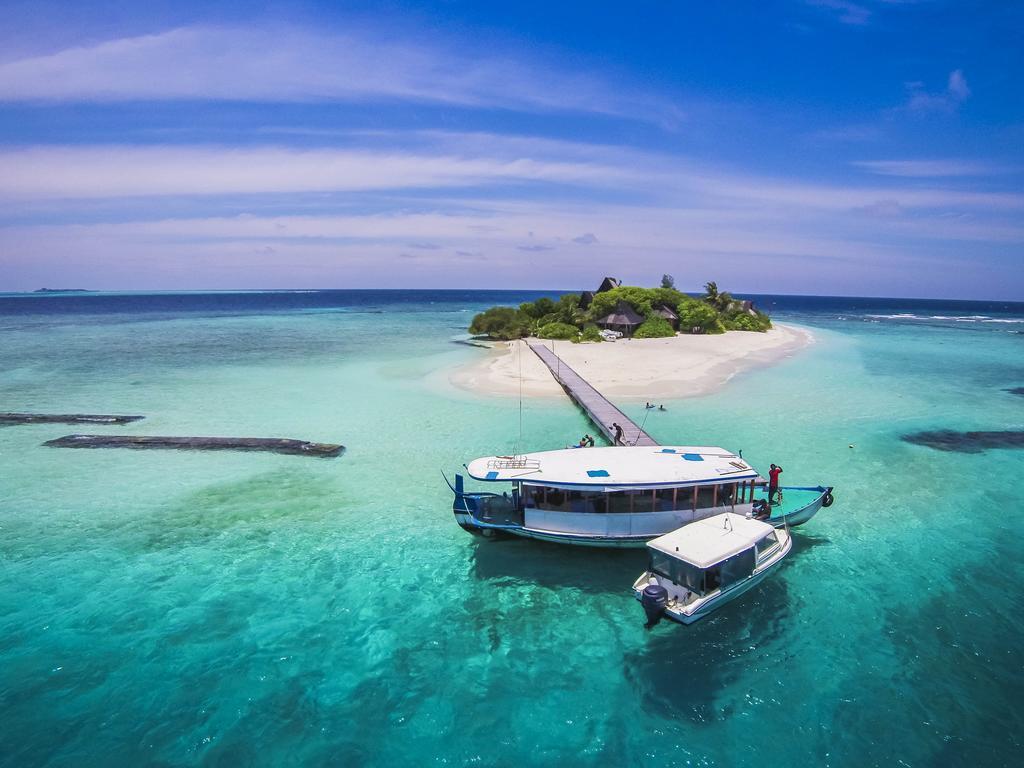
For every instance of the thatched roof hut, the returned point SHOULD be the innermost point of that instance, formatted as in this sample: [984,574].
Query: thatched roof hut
[668,314]
[624,319]
[606,285]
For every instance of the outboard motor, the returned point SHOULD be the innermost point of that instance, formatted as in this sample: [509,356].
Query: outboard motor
[654,598]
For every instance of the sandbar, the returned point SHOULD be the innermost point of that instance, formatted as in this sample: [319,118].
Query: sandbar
[650,369]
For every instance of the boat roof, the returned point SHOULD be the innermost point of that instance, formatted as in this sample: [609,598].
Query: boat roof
[616,467]
[712,539]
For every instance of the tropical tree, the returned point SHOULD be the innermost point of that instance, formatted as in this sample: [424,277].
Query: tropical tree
[699,316]
[503,323]
[720,300]
[654,328]
[667,281]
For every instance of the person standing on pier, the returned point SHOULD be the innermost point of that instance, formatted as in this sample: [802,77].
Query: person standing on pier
[618,433]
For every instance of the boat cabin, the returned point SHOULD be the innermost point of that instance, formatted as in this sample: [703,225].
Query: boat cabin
[710,555]
[625,494]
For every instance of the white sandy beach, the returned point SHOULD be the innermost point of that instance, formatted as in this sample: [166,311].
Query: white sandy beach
[649,369]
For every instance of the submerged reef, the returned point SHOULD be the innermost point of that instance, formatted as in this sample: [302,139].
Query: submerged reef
[967,442]
[7,419]
[270,444]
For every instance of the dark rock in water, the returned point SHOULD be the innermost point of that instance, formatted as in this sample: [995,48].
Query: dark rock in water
[1016,390]
[64,418]
[270,444]
[967,442]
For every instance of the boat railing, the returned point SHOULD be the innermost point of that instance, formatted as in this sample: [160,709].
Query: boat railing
[513,462]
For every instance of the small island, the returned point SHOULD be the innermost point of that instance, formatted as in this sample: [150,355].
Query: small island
[61,290]
[615,310]
[670,345]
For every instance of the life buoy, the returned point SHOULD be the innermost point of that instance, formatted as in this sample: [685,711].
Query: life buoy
[827,501]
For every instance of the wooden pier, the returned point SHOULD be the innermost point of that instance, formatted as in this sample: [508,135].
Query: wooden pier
[597,407]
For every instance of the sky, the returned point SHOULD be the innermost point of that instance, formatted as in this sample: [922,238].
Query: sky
[833,147]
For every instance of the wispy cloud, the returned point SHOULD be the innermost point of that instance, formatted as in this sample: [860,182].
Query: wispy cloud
[921,100]
[236,64]
[846,12]
[126,171]
[931,168]
[435,211]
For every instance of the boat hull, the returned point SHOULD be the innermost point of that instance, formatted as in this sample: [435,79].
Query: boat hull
[502,518]
[805,512]
[714,603]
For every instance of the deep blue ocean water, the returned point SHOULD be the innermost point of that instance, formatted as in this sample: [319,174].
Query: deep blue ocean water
[254,609]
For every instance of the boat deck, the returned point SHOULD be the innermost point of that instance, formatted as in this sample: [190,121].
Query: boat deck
[597,407]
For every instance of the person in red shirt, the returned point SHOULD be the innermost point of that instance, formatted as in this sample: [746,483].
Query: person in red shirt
[773,482]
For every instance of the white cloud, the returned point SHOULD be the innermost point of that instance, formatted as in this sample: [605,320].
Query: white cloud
[957,87]
[125,171]
[284,65]
[930,168]
[443,210]
[957,92]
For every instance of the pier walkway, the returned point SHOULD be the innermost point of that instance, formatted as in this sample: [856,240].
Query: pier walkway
[597,407]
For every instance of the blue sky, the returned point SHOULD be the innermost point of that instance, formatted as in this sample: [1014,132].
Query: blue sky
[848,147]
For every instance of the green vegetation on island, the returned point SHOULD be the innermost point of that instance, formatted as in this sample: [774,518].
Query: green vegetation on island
[643,313]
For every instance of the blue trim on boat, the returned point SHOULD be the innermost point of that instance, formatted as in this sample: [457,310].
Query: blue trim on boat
[597,473]
[720,480]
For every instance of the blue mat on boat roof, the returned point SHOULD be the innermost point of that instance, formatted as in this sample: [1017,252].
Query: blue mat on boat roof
[597,472]
[692,457]
[491,476]
[668,450]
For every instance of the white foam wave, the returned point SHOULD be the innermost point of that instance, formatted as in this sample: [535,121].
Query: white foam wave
[947,318]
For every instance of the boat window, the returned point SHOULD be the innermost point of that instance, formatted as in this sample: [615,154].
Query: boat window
[530,496]
[618,502]
[705,496]
[683,574]
[726,494]
[768,542]
[558,500]
[737,567]
[643,501]
[664,500]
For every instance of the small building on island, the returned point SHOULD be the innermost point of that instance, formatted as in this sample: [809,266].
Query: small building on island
[624,319]
[586,297]
[667,313]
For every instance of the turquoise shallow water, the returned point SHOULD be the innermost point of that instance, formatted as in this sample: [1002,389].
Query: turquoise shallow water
[176,608]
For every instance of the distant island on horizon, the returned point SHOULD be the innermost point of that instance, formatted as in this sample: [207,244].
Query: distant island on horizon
[61,290]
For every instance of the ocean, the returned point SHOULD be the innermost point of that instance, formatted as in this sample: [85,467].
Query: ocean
[174,608]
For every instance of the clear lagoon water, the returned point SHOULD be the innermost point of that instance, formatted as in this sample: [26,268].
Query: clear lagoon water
[171,608]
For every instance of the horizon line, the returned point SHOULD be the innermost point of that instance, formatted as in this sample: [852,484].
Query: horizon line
[51,292]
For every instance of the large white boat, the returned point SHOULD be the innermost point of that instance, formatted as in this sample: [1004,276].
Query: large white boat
[700,567]
[617,496]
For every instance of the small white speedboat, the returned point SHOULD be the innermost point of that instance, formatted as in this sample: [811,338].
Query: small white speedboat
[698,568]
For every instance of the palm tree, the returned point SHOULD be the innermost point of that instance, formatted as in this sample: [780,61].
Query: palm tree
[720,300]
